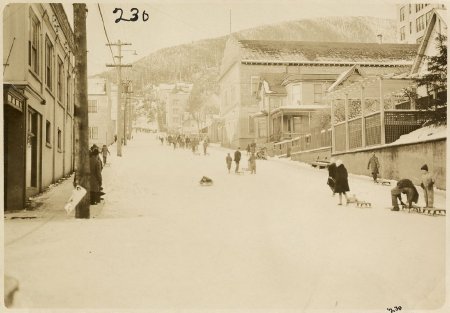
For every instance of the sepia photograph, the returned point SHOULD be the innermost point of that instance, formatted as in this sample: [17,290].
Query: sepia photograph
[224,156]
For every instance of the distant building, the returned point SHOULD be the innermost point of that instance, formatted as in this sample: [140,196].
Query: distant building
[174,98]
[245,62]
[412,19]
[428,47]
[38,88]
[100,103]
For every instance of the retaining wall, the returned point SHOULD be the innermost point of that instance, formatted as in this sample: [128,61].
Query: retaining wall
[402,161]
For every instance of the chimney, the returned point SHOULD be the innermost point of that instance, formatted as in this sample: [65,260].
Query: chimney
[380,38]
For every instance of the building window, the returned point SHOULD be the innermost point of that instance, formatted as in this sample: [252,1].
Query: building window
[48,132]
[48,63]
[296,94]
[92,106]
[410,27]
[420,23]
[93,132]
[402,14]
[420,6]
[254,81]
[317,93]
[410,8]
[59,139]
[402,33]
[60,80]
[33,44]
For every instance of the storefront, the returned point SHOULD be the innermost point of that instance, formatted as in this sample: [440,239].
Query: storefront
[14,128]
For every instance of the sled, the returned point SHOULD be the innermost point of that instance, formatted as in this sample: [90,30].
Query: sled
[363,204]
[383,182]
[206,181]
[434,211]
[414,207]
[77,194]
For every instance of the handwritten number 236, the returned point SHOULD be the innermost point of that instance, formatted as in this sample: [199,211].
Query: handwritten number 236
[134,15]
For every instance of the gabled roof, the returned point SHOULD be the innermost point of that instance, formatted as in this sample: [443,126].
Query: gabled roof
[326,52]
[273,81]
[437,13]
[345,75]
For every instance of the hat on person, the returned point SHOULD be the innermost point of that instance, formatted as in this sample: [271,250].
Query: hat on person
[338,162]
[425,167]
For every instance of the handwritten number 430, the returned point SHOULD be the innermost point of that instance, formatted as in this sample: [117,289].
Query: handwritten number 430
[395,309]
[134,15]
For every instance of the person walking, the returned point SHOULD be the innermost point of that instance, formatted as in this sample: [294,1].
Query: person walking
[252,163]
[341,186]
[248,149]
[407,187]
[228,159]
[374,167]
[427,183]
[205,145]
[105,153]
[95,176]
[331,181]
[237,159]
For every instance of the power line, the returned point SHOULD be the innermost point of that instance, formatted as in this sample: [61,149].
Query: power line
[106,34]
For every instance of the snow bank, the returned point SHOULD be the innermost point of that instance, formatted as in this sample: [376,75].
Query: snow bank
[422,134]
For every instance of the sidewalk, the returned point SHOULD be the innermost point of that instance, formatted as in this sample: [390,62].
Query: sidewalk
[50,204]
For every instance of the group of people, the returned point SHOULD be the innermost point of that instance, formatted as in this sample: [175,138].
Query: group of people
[237,160]
[185,141]
[96,166]
[338,182]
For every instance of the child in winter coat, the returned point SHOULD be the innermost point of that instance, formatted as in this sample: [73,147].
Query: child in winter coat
[427,183]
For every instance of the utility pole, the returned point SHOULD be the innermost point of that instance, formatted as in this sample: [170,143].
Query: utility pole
[119,66]
[82,165]
[125,117]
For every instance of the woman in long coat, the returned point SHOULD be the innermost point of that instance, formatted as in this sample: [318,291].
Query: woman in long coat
[96,176]
[331,181]
[341,186]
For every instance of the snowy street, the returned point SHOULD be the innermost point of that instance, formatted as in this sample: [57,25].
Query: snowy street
[275,240]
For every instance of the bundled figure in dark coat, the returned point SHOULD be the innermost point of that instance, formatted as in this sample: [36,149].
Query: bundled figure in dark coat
[331,181]
[374,166]
[407,187]
[96,176]
[341,186]
[237,159]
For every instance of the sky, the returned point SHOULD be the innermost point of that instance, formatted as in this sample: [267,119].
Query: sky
[171,22]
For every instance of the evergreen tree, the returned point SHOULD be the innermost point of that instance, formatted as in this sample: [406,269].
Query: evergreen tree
[436,83]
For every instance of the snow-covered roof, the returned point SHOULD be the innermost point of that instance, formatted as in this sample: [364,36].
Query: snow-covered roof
[326,52]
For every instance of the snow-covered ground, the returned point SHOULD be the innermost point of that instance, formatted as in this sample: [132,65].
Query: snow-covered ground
[275,241]
[423,134]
